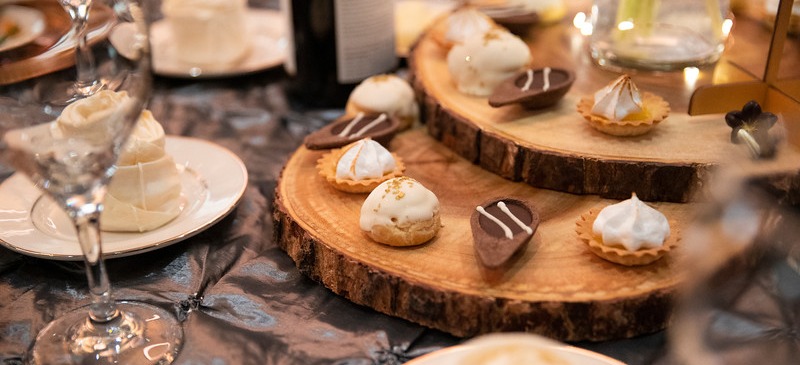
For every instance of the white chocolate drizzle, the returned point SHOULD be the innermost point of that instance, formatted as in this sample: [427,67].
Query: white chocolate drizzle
[506,230]
[504,208]
[371,125]
[546,73]
[529,80]
[350,125]
[503,226]
[346,131]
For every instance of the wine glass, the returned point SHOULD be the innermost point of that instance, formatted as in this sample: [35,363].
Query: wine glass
[86,82]
[743,257]
[70,154]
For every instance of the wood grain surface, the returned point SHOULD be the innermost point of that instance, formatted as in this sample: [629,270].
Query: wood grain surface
[471,152]
[555,148]
[555,287]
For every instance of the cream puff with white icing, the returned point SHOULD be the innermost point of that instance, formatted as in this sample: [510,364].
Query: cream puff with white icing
[388,94]
[484,61]
[400,212]
[455,28]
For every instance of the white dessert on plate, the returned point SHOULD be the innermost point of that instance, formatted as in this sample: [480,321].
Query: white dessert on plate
[208,32]
[484,61]
[145,192]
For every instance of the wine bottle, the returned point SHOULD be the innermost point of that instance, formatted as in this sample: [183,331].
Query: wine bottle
[334,45]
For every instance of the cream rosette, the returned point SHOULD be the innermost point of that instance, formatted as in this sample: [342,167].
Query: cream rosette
[90,118]
[145,191]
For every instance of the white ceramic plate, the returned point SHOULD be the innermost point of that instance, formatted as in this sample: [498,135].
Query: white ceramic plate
[213,180]
[513,348]
[31,23]
[267,31]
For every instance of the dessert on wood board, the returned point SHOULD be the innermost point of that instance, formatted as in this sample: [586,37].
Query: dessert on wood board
[524,205]
[552,284]
[556,148]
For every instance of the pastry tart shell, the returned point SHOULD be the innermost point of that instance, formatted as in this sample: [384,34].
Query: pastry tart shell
[655,107]
[620,255]
[326,166]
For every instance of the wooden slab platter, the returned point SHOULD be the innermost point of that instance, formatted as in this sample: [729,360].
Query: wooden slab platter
[555,287]
[470,152]
[554,148]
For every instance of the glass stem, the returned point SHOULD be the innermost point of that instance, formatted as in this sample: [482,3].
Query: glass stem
[84,59]
[87,224]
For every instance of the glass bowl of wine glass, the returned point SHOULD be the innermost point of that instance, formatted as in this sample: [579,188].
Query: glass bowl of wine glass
[64,131]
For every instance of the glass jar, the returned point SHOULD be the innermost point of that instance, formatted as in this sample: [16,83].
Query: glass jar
[658,35]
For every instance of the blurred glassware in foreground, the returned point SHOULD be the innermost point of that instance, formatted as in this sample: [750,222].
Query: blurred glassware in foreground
[743,285]
[70,154]
[770,8]
[658,35]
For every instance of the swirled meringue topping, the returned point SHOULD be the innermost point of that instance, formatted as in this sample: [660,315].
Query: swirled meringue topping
[364,159]
[631,224]
[618,100]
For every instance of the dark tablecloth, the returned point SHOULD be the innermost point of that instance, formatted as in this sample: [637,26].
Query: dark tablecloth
[240,298]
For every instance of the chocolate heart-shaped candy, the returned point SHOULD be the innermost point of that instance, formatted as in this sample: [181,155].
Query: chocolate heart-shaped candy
[500,227]
[533,89]
[380,127]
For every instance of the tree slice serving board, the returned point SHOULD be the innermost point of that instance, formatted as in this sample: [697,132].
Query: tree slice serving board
[555,148]
[555,286]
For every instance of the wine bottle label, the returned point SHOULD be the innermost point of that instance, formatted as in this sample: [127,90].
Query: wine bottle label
[289,64]
[364,38]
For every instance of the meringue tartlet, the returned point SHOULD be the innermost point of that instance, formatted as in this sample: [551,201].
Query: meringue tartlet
[359,166]
[620,109]
[629,233]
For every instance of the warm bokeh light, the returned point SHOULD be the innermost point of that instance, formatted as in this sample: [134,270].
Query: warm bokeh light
[625,25]
[727,24]
[581,22]
[579,19]
[690,76]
